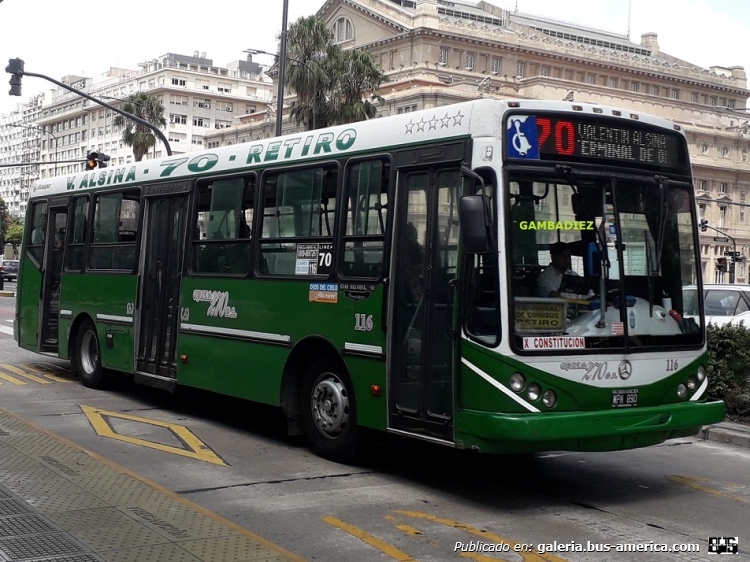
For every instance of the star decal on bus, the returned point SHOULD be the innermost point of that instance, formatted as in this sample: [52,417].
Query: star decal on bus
[410,127]
[433,123]
[421,124]
[457,118]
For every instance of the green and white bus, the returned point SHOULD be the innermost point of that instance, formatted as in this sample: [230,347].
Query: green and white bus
[385,275]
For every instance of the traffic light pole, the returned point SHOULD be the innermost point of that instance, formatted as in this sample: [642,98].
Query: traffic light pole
[734,250]
[18,71]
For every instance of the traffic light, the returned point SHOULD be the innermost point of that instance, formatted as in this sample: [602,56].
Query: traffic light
[15,67]
[91,160]
[721,264]
[94,159]
[704,225]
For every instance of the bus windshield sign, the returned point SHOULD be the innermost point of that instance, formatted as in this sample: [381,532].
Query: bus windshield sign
[595,140]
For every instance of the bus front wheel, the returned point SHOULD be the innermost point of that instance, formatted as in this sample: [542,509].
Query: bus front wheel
[88,359]
[329,413]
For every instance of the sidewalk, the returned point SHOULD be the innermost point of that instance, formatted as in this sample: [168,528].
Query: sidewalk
[736,434]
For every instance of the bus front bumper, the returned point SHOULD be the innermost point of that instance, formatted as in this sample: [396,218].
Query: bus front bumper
[610,430]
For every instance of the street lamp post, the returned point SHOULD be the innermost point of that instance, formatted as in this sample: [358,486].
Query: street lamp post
[307,66]
[732,263]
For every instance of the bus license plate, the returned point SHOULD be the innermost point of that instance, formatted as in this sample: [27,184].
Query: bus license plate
[624,398]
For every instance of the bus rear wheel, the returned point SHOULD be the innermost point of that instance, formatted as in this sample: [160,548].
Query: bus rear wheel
[88,358]
[329,413]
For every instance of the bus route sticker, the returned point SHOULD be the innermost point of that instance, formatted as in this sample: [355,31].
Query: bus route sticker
[307,259]
[357,291]
[324,292]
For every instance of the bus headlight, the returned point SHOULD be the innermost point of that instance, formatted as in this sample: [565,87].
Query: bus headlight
[517,382]
[692,383]
[681,391]
[701,374]
[534,392]
[549,398]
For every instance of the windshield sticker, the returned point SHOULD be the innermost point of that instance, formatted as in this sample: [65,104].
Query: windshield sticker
[556,225]
[219,300]
[554,342]
[324,292]
[522,139]
[314,259]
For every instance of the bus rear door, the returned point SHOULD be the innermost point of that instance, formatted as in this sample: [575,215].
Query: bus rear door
[163,248]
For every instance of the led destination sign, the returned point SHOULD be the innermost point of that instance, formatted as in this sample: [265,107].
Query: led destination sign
[622,143]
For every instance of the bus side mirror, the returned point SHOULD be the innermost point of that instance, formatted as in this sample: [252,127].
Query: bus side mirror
[476,219]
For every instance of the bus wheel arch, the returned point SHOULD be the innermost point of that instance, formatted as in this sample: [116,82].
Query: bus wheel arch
[317,392]
[87,354]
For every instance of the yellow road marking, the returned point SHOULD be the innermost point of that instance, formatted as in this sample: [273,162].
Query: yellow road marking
[409,530]
[373,541]
[480,557]
[532,556]
[12,380]
[698,483]
[45,371]
[195,448]
[22,373]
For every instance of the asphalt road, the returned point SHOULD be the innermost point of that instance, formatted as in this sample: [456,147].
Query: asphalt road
[407,501]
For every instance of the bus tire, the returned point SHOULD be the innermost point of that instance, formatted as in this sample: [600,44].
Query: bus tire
[329,413]
[88,357]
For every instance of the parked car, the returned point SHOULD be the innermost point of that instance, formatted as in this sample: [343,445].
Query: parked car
[9,269]
[724,303]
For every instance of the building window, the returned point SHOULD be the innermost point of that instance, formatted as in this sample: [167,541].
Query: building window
[521,70]
[495,64]
[724,152]
[674,93]
[704,149]
[443,60]
[694,97]
[732,104]
[176,118]
[343,30]
[470,61]
[723,187]
[225,88]
[178,81]
[702,185]
[178,100]
[590,79]
[714,101]
[654,90]
[702,211]
[634,86]
[613,82]
[545,71]
[722,216]
[200,122]
[203,104]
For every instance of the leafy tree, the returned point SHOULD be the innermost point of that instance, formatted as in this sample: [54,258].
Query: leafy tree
[14,235]
[340,85]
[4,220]
[140,137]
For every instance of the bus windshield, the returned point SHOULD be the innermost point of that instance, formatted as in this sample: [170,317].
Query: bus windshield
[599,263]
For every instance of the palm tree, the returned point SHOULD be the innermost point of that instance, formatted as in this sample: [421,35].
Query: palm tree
[336,83]
[140,137]
[357,80]
[309,41]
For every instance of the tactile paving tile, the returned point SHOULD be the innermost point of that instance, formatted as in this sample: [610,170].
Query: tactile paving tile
[24,525]
[229,549]
[194,524]
[13,507]
[89,518]
[35,546]
[75,558]
[126,535]
[157,553]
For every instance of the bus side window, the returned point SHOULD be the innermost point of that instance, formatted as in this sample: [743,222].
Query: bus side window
[37,236]
[221,243]
[79,220]
[299,208]
[115,213]
[366,197]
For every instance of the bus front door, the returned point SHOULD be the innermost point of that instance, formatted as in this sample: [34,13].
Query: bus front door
[423,354]
[159,293]
[57,222]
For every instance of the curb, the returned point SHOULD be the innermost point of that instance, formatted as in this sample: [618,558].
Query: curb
[7,294]
[736,434]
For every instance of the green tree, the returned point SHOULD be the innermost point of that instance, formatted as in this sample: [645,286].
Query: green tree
[135,135]
[14,235]
[4,220]
[340,85]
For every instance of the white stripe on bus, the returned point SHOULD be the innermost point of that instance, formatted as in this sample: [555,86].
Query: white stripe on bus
[499,386]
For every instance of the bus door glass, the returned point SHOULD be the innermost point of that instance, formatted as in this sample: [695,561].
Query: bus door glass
[421,371]
[57,222]
[165,227]
[30,290]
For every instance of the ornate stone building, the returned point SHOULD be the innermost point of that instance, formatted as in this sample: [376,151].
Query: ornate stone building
[437,52]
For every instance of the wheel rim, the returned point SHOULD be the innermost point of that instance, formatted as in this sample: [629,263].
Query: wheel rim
[330,405]
[89,352]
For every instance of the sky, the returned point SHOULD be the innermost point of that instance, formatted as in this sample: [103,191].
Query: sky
[85,38]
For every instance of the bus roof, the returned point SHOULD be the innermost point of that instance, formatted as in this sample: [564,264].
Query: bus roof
[478,118]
